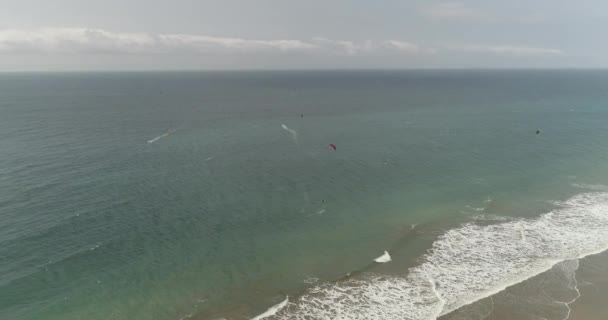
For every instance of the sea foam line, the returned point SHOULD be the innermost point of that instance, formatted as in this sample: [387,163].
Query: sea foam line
[464,265]
[594,187]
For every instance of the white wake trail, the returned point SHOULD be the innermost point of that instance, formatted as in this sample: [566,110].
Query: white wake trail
[162,136]
[293,133]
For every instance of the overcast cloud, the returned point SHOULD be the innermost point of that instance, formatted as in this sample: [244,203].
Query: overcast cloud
[269,34]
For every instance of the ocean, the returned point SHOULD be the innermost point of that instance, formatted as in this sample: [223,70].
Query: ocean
[449,194]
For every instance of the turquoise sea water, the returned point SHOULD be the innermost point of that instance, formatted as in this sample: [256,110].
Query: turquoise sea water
[217,195]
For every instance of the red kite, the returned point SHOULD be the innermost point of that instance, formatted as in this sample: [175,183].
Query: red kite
[333,146]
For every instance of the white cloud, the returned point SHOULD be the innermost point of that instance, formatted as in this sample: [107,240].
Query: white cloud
[509,50]
[366,47]
[207,43]
[457,11]
[72,40]
[89,40]
[405,47]
[86,40]
[338,46]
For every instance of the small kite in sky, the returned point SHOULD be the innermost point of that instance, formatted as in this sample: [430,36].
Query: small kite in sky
[333,146]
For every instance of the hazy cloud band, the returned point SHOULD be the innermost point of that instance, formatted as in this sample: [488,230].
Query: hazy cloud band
[89,40]
[96,41]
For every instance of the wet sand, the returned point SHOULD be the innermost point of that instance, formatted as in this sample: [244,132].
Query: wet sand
[575,289]
[593,278]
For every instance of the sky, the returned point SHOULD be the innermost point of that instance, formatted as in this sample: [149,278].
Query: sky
[73,35]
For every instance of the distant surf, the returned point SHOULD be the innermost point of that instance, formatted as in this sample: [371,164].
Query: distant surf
[594,187]
[464,265]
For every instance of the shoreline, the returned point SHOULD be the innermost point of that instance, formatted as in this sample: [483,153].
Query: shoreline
[539,267]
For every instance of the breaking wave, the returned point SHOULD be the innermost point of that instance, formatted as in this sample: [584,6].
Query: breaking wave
[273,310]
[386,257]
[464,265]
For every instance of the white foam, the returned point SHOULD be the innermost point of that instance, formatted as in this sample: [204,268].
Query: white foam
[594,187]
[384,258]
[310,280]
[188,315]
[464,265]
[490,217]
[478,209]
[293,133]
[273,310]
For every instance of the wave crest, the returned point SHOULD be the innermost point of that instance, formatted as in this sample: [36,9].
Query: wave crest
[464,265]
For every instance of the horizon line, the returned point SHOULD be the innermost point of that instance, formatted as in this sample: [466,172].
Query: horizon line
[311,70]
